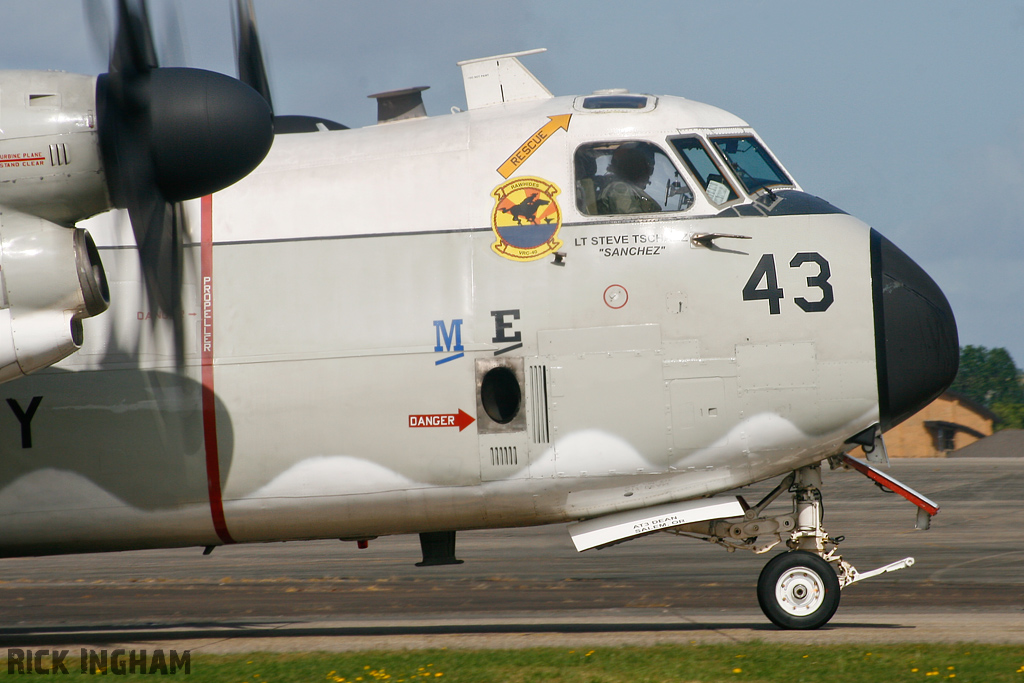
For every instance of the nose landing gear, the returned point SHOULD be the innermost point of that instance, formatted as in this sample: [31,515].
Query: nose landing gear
[800,589]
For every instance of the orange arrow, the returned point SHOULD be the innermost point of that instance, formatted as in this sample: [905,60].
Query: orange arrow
[460,420]
[533,144]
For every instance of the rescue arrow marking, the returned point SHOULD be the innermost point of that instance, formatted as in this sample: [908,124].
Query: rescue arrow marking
[460,420]
[533,144]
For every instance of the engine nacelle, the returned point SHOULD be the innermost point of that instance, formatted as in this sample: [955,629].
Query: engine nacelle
[51,278]
[50,159]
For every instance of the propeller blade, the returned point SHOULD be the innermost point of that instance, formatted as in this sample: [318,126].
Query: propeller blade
[99,27]
[251,68]
[160,231]
[154,228]
[179,235]
[168,135]
[134,52]
[173,43]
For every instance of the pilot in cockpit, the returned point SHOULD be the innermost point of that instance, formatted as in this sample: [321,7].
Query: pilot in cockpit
[629,173]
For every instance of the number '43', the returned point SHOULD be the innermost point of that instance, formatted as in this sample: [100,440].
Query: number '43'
[765,273]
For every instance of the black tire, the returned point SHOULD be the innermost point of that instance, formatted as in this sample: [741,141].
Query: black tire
[798,590]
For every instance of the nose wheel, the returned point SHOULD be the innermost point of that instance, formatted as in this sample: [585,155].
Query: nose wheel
[798,590]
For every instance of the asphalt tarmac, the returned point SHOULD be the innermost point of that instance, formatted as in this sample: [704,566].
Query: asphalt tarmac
[526,587]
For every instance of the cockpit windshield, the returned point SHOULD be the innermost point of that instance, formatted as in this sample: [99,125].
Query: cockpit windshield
[698,159]
[751,162]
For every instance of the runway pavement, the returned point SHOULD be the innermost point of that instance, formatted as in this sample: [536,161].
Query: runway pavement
[527,587]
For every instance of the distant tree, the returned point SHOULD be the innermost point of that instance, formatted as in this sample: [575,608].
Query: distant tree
[1011,415]
[989,376]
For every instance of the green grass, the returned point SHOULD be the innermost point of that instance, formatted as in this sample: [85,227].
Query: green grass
[746,662]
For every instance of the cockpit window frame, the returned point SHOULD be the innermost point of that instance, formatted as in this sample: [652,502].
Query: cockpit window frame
[682,188]
[736,196]
[764,153]
[650,105]
[603,102]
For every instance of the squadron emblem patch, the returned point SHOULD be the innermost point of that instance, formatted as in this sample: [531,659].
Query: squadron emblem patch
[526,219]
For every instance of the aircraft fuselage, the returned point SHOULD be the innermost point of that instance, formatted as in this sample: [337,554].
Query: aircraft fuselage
[372,348]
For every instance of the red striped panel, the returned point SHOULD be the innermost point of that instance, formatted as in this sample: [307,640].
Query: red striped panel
[209,398]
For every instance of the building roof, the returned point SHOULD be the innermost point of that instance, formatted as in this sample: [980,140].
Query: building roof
[971,404]
[1008,443]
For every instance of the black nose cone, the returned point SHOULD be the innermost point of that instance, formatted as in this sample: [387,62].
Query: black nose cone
[917,352]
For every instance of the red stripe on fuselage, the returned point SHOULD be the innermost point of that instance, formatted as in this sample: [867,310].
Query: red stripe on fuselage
[206,346]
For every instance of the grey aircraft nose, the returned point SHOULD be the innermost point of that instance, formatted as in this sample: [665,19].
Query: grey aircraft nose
[917,351]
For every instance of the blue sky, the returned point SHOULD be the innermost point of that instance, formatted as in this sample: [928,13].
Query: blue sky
[909,115]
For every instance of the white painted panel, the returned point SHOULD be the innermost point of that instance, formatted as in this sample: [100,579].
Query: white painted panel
[599,339]
[699,412]
[776,366]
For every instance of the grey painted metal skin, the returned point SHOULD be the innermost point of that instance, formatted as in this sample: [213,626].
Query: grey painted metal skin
[339,266]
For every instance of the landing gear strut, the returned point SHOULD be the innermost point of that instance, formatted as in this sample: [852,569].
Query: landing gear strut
[798,589]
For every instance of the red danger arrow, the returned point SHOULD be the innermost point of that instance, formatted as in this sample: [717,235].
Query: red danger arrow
[460,419]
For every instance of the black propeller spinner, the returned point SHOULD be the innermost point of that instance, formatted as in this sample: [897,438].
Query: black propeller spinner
[167,135]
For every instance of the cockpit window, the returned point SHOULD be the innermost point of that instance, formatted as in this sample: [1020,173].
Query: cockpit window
[712,179]
[615,102]
[628,177]
[751,162]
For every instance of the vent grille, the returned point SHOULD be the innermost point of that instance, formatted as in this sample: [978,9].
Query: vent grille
[504,455]
[59,155]
[539,402]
